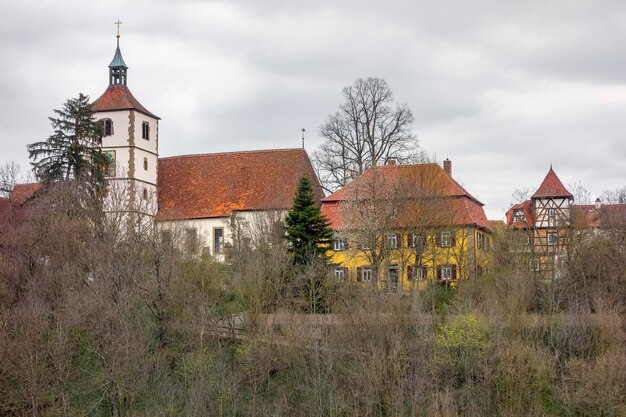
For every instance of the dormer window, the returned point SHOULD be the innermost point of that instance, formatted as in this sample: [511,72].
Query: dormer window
[107,127]
[145,130]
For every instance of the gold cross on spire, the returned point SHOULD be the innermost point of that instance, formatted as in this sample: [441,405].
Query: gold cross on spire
[118,23]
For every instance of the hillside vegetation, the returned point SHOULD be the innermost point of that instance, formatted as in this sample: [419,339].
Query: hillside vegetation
[93,323]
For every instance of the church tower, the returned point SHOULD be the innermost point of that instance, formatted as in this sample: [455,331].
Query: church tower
[131,139]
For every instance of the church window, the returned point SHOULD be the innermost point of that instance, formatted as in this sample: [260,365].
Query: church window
[145,164]
[145,130]
[145,193]
[108,127]
[111,168]
[191,241]
[218,240]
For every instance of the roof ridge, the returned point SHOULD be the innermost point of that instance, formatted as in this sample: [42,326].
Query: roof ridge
[191,155]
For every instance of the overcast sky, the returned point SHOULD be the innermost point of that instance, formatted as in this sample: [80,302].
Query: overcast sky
[503,89]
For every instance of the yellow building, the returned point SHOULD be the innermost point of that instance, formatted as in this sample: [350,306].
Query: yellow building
[398,226]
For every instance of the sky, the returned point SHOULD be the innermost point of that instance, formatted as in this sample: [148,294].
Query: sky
[503,89]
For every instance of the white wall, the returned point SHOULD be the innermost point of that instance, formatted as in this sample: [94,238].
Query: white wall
[255,225]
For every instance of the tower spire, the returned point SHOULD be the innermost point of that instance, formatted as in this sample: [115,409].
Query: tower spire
[118,71]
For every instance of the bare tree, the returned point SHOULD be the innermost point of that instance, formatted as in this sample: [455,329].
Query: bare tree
[368,130]
[9,176]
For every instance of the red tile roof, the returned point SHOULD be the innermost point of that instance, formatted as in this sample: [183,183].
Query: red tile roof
[119,97]
[527,210]
[412,184]
[23,192]
[215,185]
[552,187]
[608,216]
[6,209]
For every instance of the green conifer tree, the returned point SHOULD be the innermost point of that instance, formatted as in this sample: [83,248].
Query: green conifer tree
[308,231]
[73,151]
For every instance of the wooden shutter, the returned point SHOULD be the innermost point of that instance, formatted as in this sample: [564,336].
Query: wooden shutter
[438,239]
[359,274]
[410,271]
[452,239]
[424,272]
[453,275]
[439,273]
[409,240]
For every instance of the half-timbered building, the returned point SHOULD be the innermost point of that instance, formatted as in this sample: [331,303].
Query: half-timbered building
[542,224]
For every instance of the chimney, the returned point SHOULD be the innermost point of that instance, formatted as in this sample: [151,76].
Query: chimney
[598,204]
[391,161]
[447,167]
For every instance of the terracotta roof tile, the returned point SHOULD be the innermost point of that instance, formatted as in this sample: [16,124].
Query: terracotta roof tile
[527,209]
[119,97]
[608,216]
[552,187]
[23,192]
[215,185]
[420,182]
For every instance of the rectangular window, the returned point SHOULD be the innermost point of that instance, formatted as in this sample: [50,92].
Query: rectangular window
[416,273]
[392,240]
[446,272]
[340,273]
[111,164]
[535,264]
[166,238]
[191,241]
[446,239]
[108,127]
[145,164]
[340,243]
[145,194]
[218,240]
[552,239]
[364,274]
[415,240]
[145,130]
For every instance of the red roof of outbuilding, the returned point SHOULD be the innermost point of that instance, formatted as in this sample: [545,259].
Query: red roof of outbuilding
[608,216]
[23,192]
[552,187]
[215,185]
[119,97]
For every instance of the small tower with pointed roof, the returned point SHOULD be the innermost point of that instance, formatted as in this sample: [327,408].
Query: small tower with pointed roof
[131,141]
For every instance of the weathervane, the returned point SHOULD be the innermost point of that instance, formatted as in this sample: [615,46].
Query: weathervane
[303,130]
[118,23]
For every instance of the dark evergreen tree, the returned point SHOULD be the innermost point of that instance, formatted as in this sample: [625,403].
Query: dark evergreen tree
[73,151]
[308,232]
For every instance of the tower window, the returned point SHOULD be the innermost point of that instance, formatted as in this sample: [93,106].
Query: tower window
[108,127]
[145,193]
[145,164]
[145,130]
[111,168]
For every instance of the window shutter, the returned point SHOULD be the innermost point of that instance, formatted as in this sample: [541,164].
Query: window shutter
[453,267]
[438,239]
[346,274]
[410,271]
[439,273]
[398,240]
[409,240]
[452,239]
[359,274]
[424,272]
